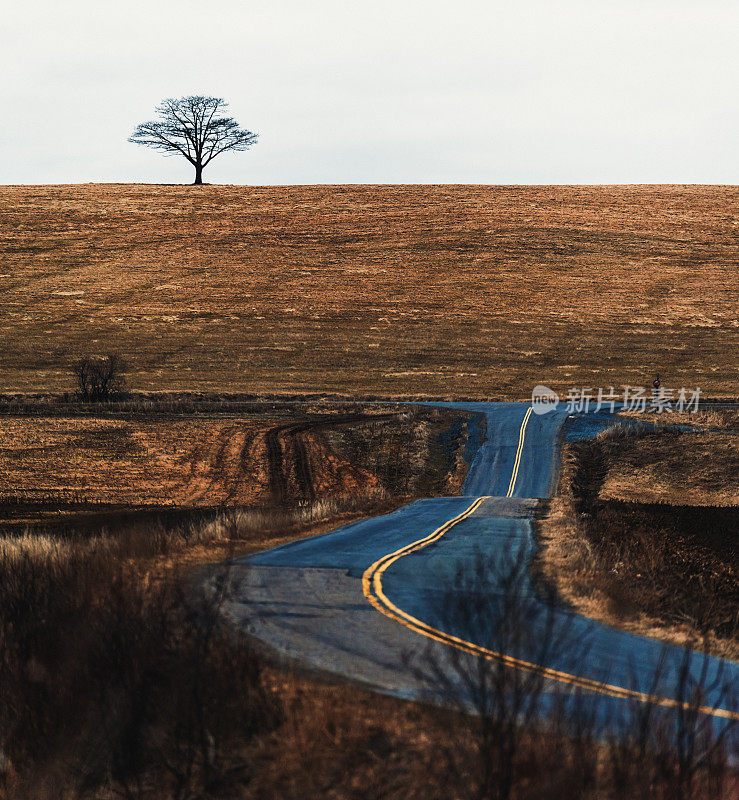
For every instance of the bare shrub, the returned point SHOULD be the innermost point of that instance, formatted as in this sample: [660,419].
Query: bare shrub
[519,734]
[492,604]
[100,378]
[678,752]
[114,679]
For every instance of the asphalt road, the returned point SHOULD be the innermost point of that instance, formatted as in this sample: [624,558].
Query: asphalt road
[376,596]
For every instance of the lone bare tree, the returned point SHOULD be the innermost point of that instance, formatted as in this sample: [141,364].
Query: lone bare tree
[196,128]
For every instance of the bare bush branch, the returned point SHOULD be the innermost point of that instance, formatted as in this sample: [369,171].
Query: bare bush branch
[100,378]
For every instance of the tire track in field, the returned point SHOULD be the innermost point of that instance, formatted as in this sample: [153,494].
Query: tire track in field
[225,475]
[235,460]
[290,438]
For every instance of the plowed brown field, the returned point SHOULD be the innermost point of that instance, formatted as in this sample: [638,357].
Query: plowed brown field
[66,464]
[441,290]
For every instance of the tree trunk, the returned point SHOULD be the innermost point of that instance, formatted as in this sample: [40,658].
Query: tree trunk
[198,175]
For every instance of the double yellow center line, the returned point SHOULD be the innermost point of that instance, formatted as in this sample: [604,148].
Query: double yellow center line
[519,451]
[375,594]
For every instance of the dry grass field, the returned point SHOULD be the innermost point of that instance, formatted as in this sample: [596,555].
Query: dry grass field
[644,533]
[72,466]
[674,468]
[383,290]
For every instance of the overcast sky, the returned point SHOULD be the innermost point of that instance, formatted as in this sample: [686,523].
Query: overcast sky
[399,91]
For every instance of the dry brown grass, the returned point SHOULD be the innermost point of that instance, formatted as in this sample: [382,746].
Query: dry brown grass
[707,416]
[394,290]
[108,462]
[677,468]
[643,534]
[120,461]
[117,684]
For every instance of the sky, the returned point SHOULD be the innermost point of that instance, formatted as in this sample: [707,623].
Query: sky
[343,91]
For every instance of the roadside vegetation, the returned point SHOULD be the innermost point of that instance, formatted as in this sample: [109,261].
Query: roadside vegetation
[644,533]
[120,680]
[117,675]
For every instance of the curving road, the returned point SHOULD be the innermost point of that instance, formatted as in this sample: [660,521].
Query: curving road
[358,601]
